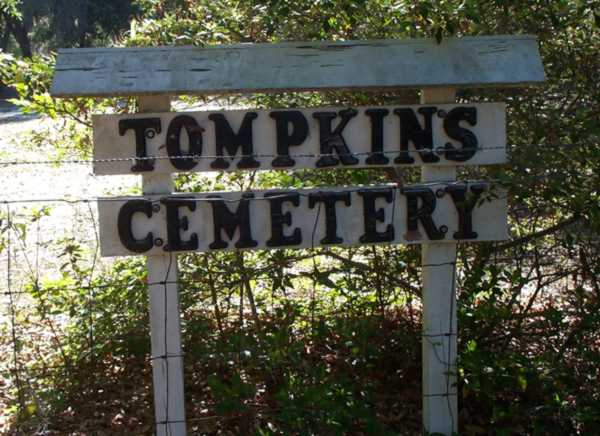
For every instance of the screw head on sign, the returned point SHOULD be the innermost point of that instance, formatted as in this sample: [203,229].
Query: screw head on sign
[440,193]
[150,133]
[158,242]
[444,229]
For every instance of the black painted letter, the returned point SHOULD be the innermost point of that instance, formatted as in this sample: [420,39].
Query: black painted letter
[331,141]
[194,133]
[377,157]
[411,130]
[329,199]
[141,126]
[224,219]
[226,139]
[372,215]
[467,138]
[414,213]
[175,223]
[279,219]
[285,139]
[465,205]
[124,225]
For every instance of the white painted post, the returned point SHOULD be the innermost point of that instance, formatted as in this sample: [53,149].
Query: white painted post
[440,408]
[165,327]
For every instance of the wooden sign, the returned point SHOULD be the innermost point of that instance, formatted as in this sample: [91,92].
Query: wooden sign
[472,134]
[437,213]
[293,218]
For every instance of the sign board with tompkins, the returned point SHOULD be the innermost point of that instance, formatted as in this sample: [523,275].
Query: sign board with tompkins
[325,138]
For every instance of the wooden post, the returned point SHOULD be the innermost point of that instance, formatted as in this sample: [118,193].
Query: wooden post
[440,408]
[165,327]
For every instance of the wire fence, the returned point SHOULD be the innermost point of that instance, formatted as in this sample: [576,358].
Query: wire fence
[49,268]
[197,157]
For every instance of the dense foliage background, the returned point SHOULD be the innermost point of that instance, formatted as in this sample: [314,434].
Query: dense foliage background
[327,341]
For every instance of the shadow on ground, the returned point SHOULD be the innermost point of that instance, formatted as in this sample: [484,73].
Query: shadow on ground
[9,113]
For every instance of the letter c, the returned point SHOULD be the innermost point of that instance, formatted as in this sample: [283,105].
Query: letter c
[124,220]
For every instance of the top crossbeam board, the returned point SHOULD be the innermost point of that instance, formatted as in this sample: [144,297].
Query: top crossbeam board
[467,62]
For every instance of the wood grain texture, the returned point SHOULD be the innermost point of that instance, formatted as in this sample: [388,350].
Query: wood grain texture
[297,66]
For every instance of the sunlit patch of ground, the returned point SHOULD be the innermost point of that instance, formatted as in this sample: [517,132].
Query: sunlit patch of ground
[34,252]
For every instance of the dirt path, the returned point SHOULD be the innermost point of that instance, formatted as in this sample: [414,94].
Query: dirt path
[45,181]
[34,255]
[36,245]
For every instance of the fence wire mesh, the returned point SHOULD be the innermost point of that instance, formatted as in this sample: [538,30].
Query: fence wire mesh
[59,322]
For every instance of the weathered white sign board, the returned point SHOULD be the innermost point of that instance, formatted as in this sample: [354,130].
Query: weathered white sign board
[472,134]
[465,62]
[302,218]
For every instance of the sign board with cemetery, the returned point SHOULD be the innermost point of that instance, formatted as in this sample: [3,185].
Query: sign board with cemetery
[302,218]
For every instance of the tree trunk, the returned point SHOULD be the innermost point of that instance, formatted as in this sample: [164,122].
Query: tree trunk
[246,283]
[213,293]
[18,30]
[4,35]
[83,23]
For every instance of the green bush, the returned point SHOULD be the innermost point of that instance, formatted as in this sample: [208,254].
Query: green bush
[329,341]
